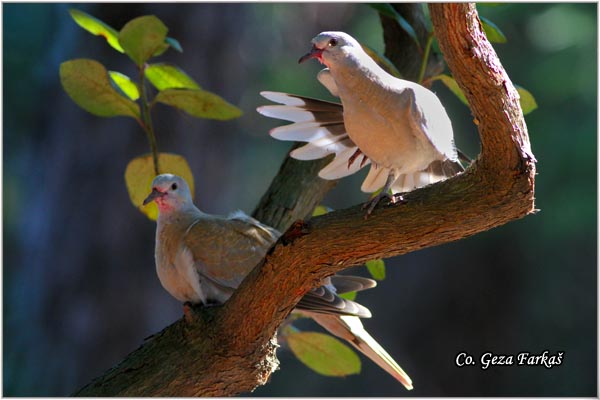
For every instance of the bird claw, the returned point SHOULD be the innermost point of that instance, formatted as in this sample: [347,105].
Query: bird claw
[392,199]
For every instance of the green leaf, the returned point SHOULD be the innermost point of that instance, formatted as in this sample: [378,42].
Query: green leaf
[384,9]
[493,33]
[376,269]
[383,61]
[389,11]
[87,84]
[452,85]
[126,85]
[528,103]
[161,49]
[174,43]
[321,210]
[142,37]
[97,27]
[348,295]
[140,173]
[198,103]
[167,76]
[324,354]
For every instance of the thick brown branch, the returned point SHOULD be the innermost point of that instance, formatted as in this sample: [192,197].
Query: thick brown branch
[228,350]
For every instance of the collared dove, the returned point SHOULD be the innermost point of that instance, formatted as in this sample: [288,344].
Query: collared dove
[203,258]
[397,126]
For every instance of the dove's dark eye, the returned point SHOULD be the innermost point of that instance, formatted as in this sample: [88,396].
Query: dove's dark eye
[333,42]
[174,186]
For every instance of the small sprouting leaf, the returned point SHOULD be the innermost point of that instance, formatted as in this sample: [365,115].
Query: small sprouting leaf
[168,76]
[383,61]
[198,103]
[408,29]
[142,37]
[87,84]
[174,43]
[348,295]
[528,103]
[97,27]
[493,33]
[126,85]
[376,269]
[140,173]
[452,85]
[324,354]
[321,210]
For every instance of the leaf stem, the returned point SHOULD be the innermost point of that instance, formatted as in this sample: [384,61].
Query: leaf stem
[147,118]
[425,57]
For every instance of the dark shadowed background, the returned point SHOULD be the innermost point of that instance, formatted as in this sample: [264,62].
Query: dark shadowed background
[80,291]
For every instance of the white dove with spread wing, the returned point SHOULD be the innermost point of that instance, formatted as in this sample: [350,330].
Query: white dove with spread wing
[398,126]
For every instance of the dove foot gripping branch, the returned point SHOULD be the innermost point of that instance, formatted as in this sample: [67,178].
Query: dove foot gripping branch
[399,127]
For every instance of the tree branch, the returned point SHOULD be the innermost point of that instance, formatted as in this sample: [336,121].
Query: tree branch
[228,350]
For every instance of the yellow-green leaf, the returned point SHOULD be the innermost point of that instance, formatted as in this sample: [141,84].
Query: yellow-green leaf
[140,173]
[126,85]
[321,210]
[168,76]
[452,85]
[198,103]
[348,295]
[528,103]
[324,354]
[383,61]
[376,269]
[97,27]
[493,33]
[142,37]
[87,83]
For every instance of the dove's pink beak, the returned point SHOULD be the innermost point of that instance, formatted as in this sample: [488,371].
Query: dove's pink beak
[155,194]
[315,52]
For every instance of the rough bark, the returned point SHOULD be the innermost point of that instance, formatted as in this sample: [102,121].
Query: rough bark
[228,350]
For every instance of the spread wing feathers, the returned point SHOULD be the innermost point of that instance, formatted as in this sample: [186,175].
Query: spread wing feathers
[225,250]
[324,300]
[339,168]
[320,124]
[351,329]
[435,172]
[349,283]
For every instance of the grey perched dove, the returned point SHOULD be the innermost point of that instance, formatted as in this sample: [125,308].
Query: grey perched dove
[397,126]
[203,258]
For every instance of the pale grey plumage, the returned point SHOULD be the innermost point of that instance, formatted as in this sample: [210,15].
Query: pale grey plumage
[203,258]
[398,126]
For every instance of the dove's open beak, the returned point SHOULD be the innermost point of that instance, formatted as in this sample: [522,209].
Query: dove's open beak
[153,195]
[315,52]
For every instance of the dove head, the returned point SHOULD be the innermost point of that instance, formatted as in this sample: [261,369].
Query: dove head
[170,193]
[331,47]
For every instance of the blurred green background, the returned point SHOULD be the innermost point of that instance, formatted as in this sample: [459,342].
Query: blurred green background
[80,291]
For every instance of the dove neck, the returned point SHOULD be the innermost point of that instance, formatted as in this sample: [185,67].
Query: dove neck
[184,212]
[358,75]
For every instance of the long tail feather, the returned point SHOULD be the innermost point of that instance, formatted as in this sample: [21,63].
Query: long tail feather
[351,329]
